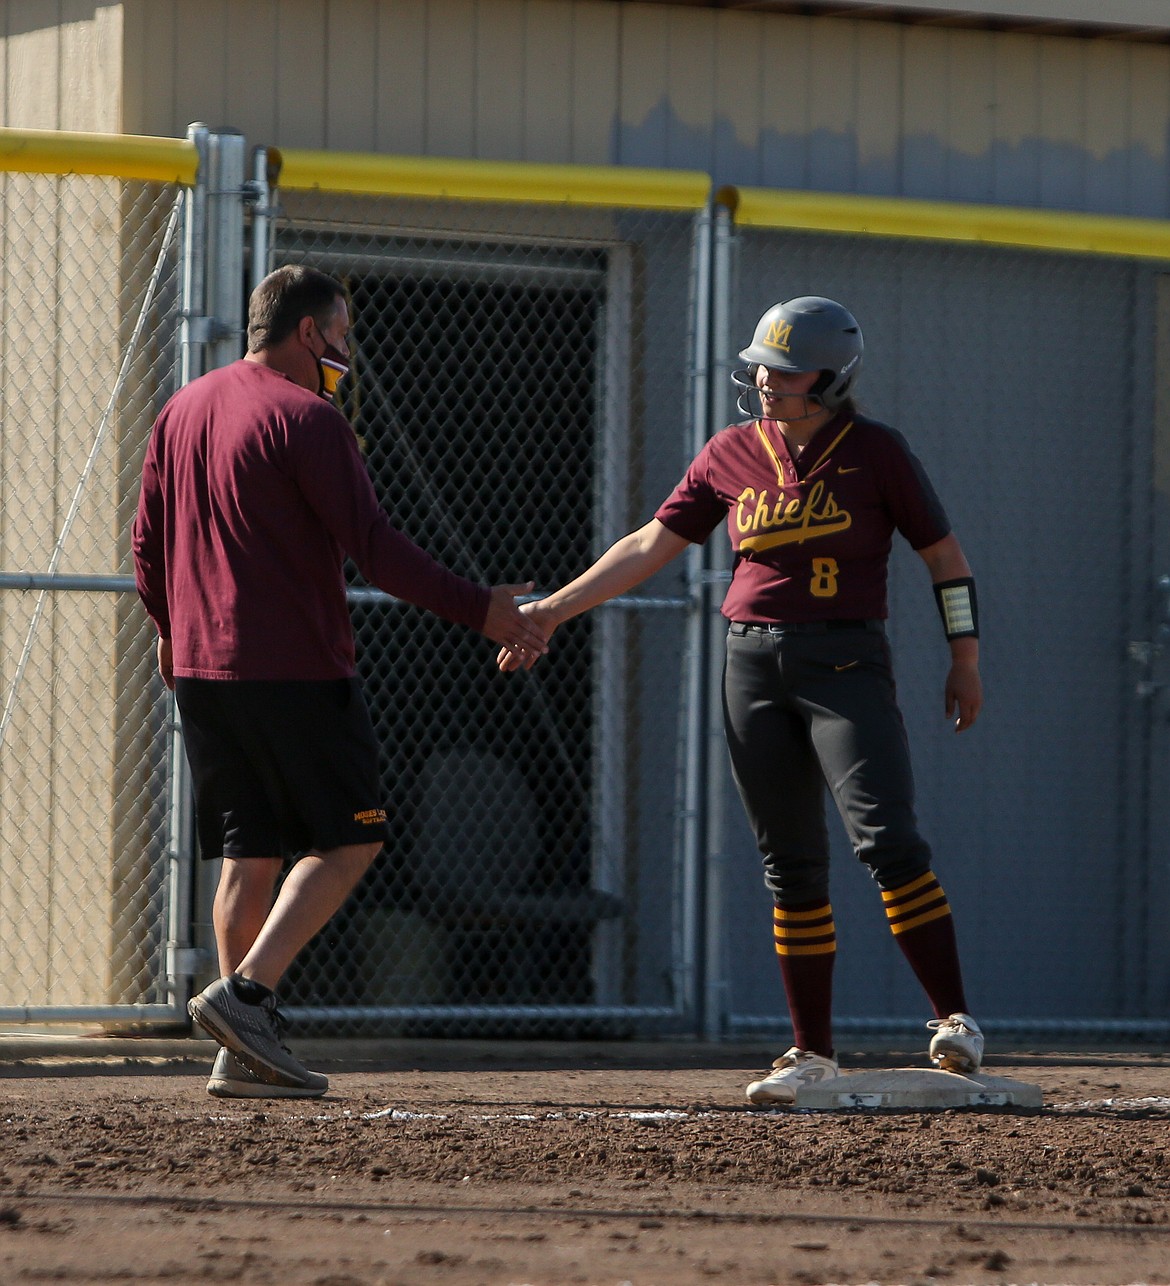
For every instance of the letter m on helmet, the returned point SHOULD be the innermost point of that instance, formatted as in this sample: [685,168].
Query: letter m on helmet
[779,333]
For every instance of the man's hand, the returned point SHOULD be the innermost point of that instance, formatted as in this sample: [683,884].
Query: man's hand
[508,625]
[166,666]
[964,694]
[542,619]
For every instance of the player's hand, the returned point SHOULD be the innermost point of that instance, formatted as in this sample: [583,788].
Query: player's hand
[166,665]
[508,625]
[964,694]
[542,619]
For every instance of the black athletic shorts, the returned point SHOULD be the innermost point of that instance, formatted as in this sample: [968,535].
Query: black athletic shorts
[281,768]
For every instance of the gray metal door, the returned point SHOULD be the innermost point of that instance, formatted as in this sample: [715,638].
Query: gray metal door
[499,392]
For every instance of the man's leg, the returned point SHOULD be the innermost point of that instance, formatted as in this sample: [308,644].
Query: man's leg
[240,1009]
[243,902]
[312,892]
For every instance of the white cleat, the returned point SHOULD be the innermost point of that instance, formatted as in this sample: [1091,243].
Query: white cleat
[957,1045]
[789,1073]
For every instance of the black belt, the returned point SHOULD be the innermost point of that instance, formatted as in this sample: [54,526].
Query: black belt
[804,627]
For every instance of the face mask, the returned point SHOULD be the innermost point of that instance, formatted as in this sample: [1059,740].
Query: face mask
[332,367]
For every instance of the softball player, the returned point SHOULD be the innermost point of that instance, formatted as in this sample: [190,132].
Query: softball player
[812,492]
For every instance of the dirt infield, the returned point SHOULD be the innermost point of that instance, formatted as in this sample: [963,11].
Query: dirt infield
[476,1164]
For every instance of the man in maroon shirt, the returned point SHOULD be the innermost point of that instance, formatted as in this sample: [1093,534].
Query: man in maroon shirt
[253,492]
[812,493]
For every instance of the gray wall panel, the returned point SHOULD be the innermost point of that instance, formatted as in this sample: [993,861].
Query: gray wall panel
[1011,375]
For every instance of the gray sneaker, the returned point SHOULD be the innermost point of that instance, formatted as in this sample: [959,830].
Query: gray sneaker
[231,1079]
[250,1032]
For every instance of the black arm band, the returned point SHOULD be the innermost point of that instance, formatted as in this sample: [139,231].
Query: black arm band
[958,607]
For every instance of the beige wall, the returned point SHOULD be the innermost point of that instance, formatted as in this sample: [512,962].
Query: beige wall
[61,65]
[758,99]
[62,273]
[1134,15]
[505,80]
[72,839]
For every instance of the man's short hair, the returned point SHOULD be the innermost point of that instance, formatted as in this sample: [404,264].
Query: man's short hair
[285,296]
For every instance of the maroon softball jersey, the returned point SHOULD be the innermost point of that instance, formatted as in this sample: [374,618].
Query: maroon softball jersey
[811,535]
[253,491]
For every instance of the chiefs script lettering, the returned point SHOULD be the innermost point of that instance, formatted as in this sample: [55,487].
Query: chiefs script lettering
[787,522]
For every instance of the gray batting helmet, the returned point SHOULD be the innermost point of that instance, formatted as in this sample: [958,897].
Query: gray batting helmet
[806,334]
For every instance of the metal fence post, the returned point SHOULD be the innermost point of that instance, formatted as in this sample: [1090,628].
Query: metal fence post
[194,266]
[692,875]
[265,168]
[226,197]
[716,981]
[211,336]
[182,958]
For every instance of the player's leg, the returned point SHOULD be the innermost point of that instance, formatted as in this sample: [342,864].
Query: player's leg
[780,784]
[861,742]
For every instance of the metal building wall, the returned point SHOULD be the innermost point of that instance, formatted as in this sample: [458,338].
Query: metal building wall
[1023,382]
[754,98]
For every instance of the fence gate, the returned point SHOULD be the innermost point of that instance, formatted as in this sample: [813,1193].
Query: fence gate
[520,390]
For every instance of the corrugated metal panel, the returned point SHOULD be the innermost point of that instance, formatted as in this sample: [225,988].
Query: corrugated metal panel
[402,72]
[763,99]
[1140,15]
[351,89]
[59,75]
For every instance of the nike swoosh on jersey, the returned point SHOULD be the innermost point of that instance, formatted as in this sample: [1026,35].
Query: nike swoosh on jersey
[856,469]
[847,666]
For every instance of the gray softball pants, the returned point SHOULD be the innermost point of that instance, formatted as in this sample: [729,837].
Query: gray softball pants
[813,705]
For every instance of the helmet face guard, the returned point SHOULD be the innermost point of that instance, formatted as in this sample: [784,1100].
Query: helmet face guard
[810,333]
[749,393]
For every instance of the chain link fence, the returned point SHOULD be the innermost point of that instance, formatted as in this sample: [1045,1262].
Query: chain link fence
[523,387]
[1023,380]
[90,291]
[531,378]
[522,391]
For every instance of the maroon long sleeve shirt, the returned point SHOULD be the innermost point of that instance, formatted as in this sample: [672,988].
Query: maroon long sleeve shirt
[253,492]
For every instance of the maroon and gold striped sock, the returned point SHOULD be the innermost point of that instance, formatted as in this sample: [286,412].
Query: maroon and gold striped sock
[922,925]
[806,944]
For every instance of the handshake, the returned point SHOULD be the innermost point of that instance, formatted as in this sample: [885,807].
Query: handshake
[522,653]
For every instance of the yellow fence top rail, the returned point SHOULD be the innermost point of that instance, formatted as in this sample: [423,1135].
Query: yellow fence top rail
[942,221]
[120,156]
[369,174]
